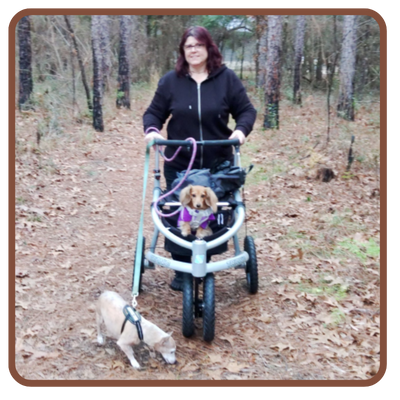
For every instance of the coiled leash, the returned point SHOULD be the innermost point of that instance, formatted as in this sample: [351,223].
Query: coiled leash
[133,317]
[181,182]
[139,244]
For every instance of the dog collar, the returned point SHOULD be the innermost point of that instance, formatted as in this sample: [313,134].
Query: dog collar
[133,317]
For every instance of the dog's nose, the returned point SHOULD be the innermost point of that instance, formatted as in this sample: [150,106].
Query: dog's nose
[198,205]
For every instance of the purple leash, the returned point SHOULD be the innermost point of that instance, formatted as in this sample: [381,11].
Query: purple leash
[183,179]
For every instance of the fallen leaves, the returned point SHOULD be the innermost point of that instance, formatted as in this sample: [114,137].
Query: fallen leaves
[316,315]
[282,346]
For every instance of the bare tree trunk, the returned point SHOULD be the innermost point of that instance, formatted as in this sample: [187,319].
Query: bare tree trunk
[242,60]
[73,79]
[273,76]
[105,50]
[331,73]
[262,52]
[345,107]
[97,74]
[298,56]
[320,62]
[82,68]
[123,97]
[25,62]
[257,52]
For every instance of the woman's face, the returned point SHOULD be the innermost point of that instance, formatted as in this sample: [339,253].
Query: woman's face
[195,52]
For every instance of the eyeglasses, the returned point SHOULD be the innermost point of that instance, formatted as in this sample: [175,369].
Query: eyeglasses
[196,46]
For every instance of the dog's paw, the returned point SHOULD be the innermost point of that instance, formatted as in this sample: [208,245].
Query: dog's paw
[202,233]
[185,231]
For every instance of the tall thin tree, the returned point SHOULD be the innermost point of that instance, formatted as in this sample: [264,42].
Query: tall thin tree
[262,52]
[123,95]
[298,57]
[97,74]
[331,73]
[105,46]
[273,76]
[80,61]
[25,62]
[345,107]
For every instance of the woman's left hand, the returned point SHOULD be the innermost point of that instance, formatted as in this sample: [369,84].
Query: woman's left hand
[238,135]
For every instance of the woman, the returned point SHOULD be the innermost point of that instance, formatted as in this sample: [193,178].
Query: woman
[199,95]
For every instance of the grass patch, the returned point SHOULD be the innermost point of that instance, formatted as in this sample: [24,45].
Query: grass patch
[360,250]
[338,316]
[323,288]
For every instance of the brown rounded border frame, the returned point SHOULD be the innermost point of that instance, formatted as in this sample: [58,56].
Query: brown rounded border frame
[10,30]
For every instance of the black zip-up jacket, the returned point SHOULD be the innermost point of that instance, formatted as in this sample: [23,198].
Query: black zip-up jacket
[200,111]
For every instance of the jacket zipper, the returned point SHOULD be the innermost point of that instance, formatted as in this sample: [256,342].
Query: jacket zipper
[201,128]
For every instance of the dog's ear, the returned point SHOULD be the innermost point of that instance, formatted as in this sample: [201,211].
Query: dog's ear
[211,199]
[184,197]
[159,346]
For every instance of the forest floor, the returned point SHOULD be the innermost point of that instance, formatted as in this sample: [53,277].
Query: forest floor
[316,315]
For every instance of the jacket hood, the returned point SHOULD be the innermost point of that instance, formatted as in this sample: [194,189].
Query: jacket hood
[216,72]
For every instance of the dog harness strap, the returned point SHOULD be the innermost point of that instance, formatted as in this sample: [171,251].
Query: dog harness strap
[196,217]
[133,317]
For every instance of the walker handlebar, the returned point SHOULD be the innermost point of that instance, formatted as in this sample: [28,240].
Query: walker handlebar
[187,143]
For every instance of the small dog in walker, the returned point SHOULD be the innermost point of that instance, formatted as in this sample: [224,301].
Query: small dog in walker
[111,309]
[199,206]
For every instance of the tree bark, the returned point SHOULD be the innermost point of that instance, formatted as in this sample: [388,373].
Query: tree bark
[273,76]
[82,68]
[262,52]
[97,74]
[345,107]
[298,56]
[331,73]
[104,31]
[25,62]
[123,95]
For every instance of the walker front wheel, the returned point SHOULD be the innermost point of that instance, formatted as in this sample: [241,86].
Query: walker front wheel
[141,265]
[187,309]
[208,308]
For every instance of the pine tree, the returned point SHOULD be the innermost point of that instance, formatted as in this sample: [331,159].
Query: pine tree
[123,98]
[345,105]
[299,45]
[273,76]
[97,74]
[25,62]
[262,51]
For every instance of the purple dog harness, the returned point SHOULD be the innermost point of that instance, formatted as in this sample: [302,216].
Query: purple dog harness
[196,218]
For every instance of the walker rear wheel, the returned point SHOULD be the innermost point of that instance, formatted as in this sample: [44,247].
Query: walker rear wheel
[251,265]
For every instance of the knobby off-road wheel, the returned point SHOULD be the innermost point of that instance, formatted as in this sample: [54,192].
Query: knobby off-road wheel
[141,265]
[208,308]
[188,309]
[251,265]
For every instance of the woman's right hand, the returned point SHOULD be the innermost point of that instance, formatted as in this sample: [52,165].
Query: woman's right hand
[151,136]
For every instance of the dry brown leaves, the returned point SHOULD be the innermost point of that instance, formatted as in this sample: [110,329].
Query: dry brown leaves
[316,315]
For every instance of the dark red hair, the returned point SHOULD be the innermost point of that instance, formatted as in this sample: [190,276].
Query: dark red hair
[201,34]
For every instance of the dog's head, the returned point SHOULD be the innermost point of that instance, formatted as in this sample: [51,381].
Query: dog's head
[198,197]
[167,347]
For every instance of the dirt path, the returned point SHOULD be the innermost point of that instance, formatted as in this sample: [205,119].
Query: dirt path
[78,201]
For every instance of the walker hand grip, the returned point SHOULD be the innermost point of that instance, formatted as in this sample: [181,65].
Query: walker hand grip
[186,143]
